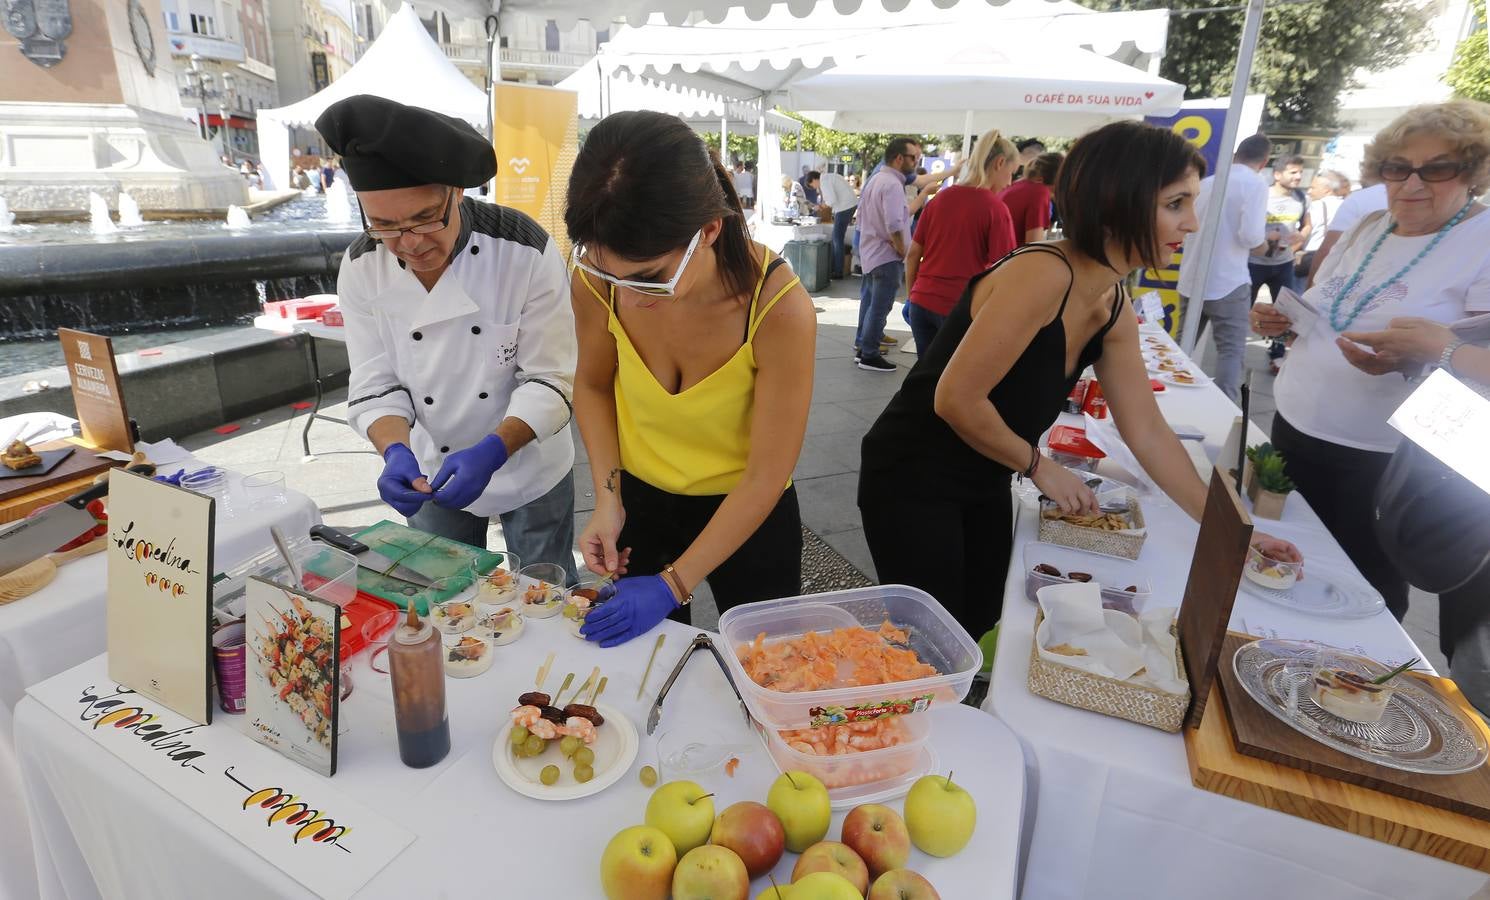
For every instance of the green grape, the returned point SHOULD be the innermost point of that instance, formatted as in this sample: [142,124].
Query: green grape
[648,776]
[583,774]
[584,756]
[534,745]
[549,775]
[569,744]
[519,734]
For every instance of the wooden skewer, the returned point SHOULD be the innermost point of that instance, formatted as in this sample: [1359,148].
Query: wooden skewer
[589,683]
[599,689]
[568,680]
[642,688]
[543,672]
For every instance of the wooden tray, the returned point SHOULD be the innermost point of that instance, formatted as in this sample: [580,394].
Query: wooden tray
[1257,732]
[81,463]
[1216,766]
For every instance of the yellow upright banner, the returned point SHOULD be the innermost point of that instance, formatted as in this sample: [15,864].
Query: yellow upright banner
[537,138]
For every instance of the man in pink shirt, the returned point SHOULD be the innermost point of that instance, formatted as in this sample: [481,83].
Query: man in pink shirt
[884,238]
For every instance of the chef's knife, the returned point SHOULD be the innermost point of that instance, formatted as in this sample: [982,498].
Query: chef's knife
[367,557]
[30,539]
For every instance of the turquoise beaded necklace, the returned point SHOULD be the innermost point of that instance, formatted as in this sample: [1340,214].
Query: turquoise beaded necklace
[1371,294]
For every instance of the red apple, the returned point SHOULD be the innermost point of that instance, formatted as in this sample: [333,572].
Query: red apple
[831,856]
[754,833]
[879,836]
[710,873]
[902,884]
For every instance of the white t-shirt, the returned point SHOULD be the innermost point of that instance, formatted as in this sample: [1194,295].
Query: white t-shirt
[1243,218]
[745,184]
[1321,219]
[1357,206]
[1323,395]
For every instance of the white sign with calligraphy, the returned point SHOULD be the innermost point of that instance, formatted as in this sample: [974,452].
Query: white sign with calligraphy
[283,812]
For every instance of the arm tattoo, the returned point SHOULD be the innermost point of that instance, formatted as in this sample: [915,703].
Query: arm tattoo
[610,480]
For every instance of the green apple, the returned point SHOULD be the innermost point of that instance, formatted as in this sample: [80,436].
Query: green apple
[902,884]
[710,873]
[941,815]
[801,802]
[824,886]
[684,812]
[831,856]
[638,865]
[775,892]
[879,836]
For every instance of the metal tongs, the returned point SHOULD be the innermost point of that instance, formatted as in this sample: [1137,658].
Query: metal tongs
[699,640]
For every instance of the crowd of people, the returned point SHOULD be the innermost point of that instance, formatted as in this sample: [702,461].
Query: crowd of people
[681,346]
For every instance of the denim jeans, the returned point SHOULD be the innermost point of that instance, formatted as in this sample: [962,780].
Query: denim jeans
[876,296]
[540,531]
[841,222]
[1276,277]
[1229,329]
[924,326]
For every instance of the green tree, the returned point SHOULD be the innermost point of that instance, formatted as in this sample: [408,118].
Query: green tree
[1469,74]
[866,148]
[741,146]
[1307,54]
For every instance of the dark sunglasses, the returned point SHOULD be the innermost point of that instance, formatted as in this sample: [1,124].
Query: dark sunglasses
[1442,170]
[393,234]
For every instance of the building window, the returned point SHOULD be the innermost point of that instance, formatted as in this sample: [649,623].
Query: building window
[173,23]
[602,37]
[203,25]
[502,41]
[551,36]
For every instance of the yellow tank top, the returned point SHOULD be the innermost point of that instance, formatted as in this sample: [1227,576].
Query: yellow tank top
[694,442]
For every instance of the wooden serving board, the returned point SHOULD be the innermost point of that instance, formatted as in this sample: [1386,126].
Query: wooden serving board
[431,556]
[1257,732]
[1216,766]
[81,464]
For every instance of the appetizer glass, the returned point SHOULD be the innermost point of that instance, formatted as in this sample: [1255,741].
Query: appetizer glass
[496,584]
[376,631]
[505,623]
[1342,684]
[543,595]
[468,654]
[264,489]
[456,610]
[1273,574]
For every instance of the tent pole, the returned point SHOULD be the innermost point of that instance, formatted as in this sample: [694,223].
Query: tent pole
[493,75]
[1205,241]
[967,135]
[724,136]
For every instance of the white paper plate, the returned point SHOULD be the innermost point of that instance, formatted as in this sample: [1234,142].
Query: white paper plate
[1200,380]
[615,750]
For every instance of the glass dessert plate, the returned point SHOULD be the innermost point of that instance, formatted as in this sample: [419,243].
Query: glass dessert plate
[1419,731]
[1326,590]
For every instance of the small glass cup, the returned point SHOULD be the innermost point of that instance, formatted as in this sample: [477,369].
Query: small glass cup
[584,598]
[1341,684]
[505,623]
[543,593]
[468,655]
[1273,574]
[452,604]
[264,489]
[376,631]
[496,584]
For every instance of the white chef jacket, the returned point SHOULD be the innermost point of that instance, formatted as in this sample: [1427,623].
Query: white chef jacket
[494,338]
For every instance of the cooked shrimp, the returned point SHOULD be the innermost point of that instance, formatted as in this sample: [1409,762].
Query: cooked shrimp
[526,716]
[803,747]
[544,729]
[580,727]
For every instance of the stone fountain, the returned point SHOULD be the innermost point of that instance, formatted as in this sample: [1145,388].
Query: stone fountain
[98,215]
[238,217]
[338,204]
[129,212]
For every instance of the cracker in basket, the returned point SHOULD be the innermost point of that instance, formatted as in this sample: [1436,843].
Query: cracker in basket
[1100,522]
[1066,650]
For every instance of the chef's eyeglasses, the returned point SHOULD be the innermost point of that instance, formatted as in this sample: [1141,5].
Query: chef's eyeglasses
[393,234]
[1437,171]
[654,288]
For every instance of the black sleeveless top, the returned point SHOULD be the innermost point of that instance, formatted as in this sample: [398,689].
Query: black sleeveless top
[911,445]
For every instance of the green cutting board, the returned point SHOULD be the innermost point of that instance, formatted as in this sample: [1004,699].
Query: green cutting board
[432,556]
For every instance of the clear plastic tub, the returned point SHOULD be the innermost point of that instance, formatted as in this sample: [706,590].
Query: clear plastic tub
[326,572]
[1114,575]
[932,633]
[852,777]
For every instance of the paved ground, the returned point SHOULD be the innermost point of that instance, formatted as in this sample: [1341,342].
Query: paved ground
[845,403]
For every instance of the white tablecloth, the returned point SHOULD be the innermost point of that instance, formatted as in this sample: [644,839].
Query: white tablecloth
[476,838]
[63,624]
[1114,814]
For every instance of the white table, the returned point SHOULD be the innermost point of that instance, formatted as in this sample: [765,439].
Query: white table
[475,836]
[314,329]
[63,624]
[1115,814]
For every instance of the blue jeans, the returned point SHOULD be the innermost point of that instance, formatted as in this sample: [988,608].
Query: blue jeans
[540,531]
[924,326]
[876,296]
[1276,277]
[841,222]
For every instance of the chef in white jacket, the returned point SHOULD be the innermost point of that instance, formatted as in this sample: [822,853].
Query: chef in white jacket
[460,334]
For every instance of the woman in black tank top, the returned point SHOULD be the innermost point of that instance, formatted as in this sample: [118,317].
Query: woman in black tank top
[934,483]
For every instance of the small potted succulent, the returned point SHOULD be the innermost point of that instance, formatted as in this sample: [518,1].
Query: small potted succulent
[1268,484]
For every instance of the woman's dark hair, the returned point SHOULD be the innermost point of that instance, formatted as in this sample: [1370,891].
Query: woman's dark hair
[1044,167]
[1109,185]
[644,183]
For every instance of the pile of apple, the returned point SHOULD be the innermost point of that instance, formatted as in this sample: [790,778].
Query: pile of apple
[686,853]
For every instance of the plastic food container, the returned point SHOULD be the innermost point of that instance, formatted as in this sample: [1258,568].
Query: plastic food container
[1069,447]
[1114,575]
[326,572]
[931,632]
[853,778]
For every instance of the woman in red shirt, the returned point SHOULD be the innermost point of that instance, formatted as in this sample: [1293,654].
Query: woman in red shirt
[1028,199]
[963,230]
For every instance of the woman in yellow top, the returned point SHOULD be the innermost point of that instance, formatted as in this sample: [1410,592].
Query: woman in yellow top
[696,349]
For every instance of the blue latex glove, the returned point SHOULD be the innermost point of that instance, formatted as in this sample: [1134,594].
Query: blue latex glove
[640,603]
[396,484]
[466,473]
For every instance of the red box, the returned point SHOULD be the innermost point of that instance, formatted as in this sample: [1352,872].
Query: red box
[297,309]
[1095,404]
[332,317]
[1072,440]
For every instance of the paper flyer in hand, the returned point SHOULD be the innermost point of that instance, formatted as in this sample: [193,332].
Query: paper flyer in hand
[159,557]
[1450,421]
[1298,310]
[293,677]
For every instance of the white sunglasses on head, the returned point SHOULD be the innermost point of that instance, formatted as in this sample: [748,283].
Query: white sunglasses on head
[654,288]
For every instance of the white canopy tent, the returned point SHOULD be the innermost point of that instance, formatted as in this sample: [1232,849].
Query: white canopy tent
[676,12]
[403,64]
[601,94]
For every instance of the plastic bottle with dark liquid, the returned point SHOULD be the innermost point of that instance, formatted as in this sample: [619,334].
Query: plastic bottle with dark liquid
[416,664]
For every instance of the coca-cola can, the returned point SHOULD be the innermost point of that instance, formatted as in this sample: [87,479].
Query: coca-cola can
[1075,401]
[1094,405]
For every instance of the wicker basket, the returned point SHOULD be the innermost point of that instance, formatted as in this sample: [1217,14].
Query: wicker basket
[1108,696]
[1094,540]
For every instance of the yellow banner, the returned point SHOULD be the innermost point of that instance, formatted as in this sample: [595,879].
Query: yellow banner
[536,135]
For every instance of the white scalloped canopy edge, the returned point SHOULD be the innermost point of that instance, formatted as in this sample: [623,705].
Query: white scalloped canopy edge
[676,12]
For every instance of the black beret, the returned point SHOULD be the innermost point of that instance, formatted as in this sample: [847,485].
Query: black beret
[384,144]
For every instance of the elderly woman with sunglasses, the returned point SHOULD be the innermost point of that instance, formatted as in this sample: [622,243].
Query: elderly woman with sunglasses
[1423,258]
[695,375]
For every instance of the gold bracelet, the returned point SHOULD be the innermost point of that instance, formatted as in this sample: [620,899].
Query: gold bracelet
[671,575]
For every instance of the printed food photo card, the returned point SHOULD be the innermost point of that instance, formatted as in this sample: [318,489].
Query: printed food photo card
[294,675]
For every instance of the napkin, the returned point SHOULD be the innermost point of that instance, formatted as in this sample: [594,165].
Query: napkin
[1112,644]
